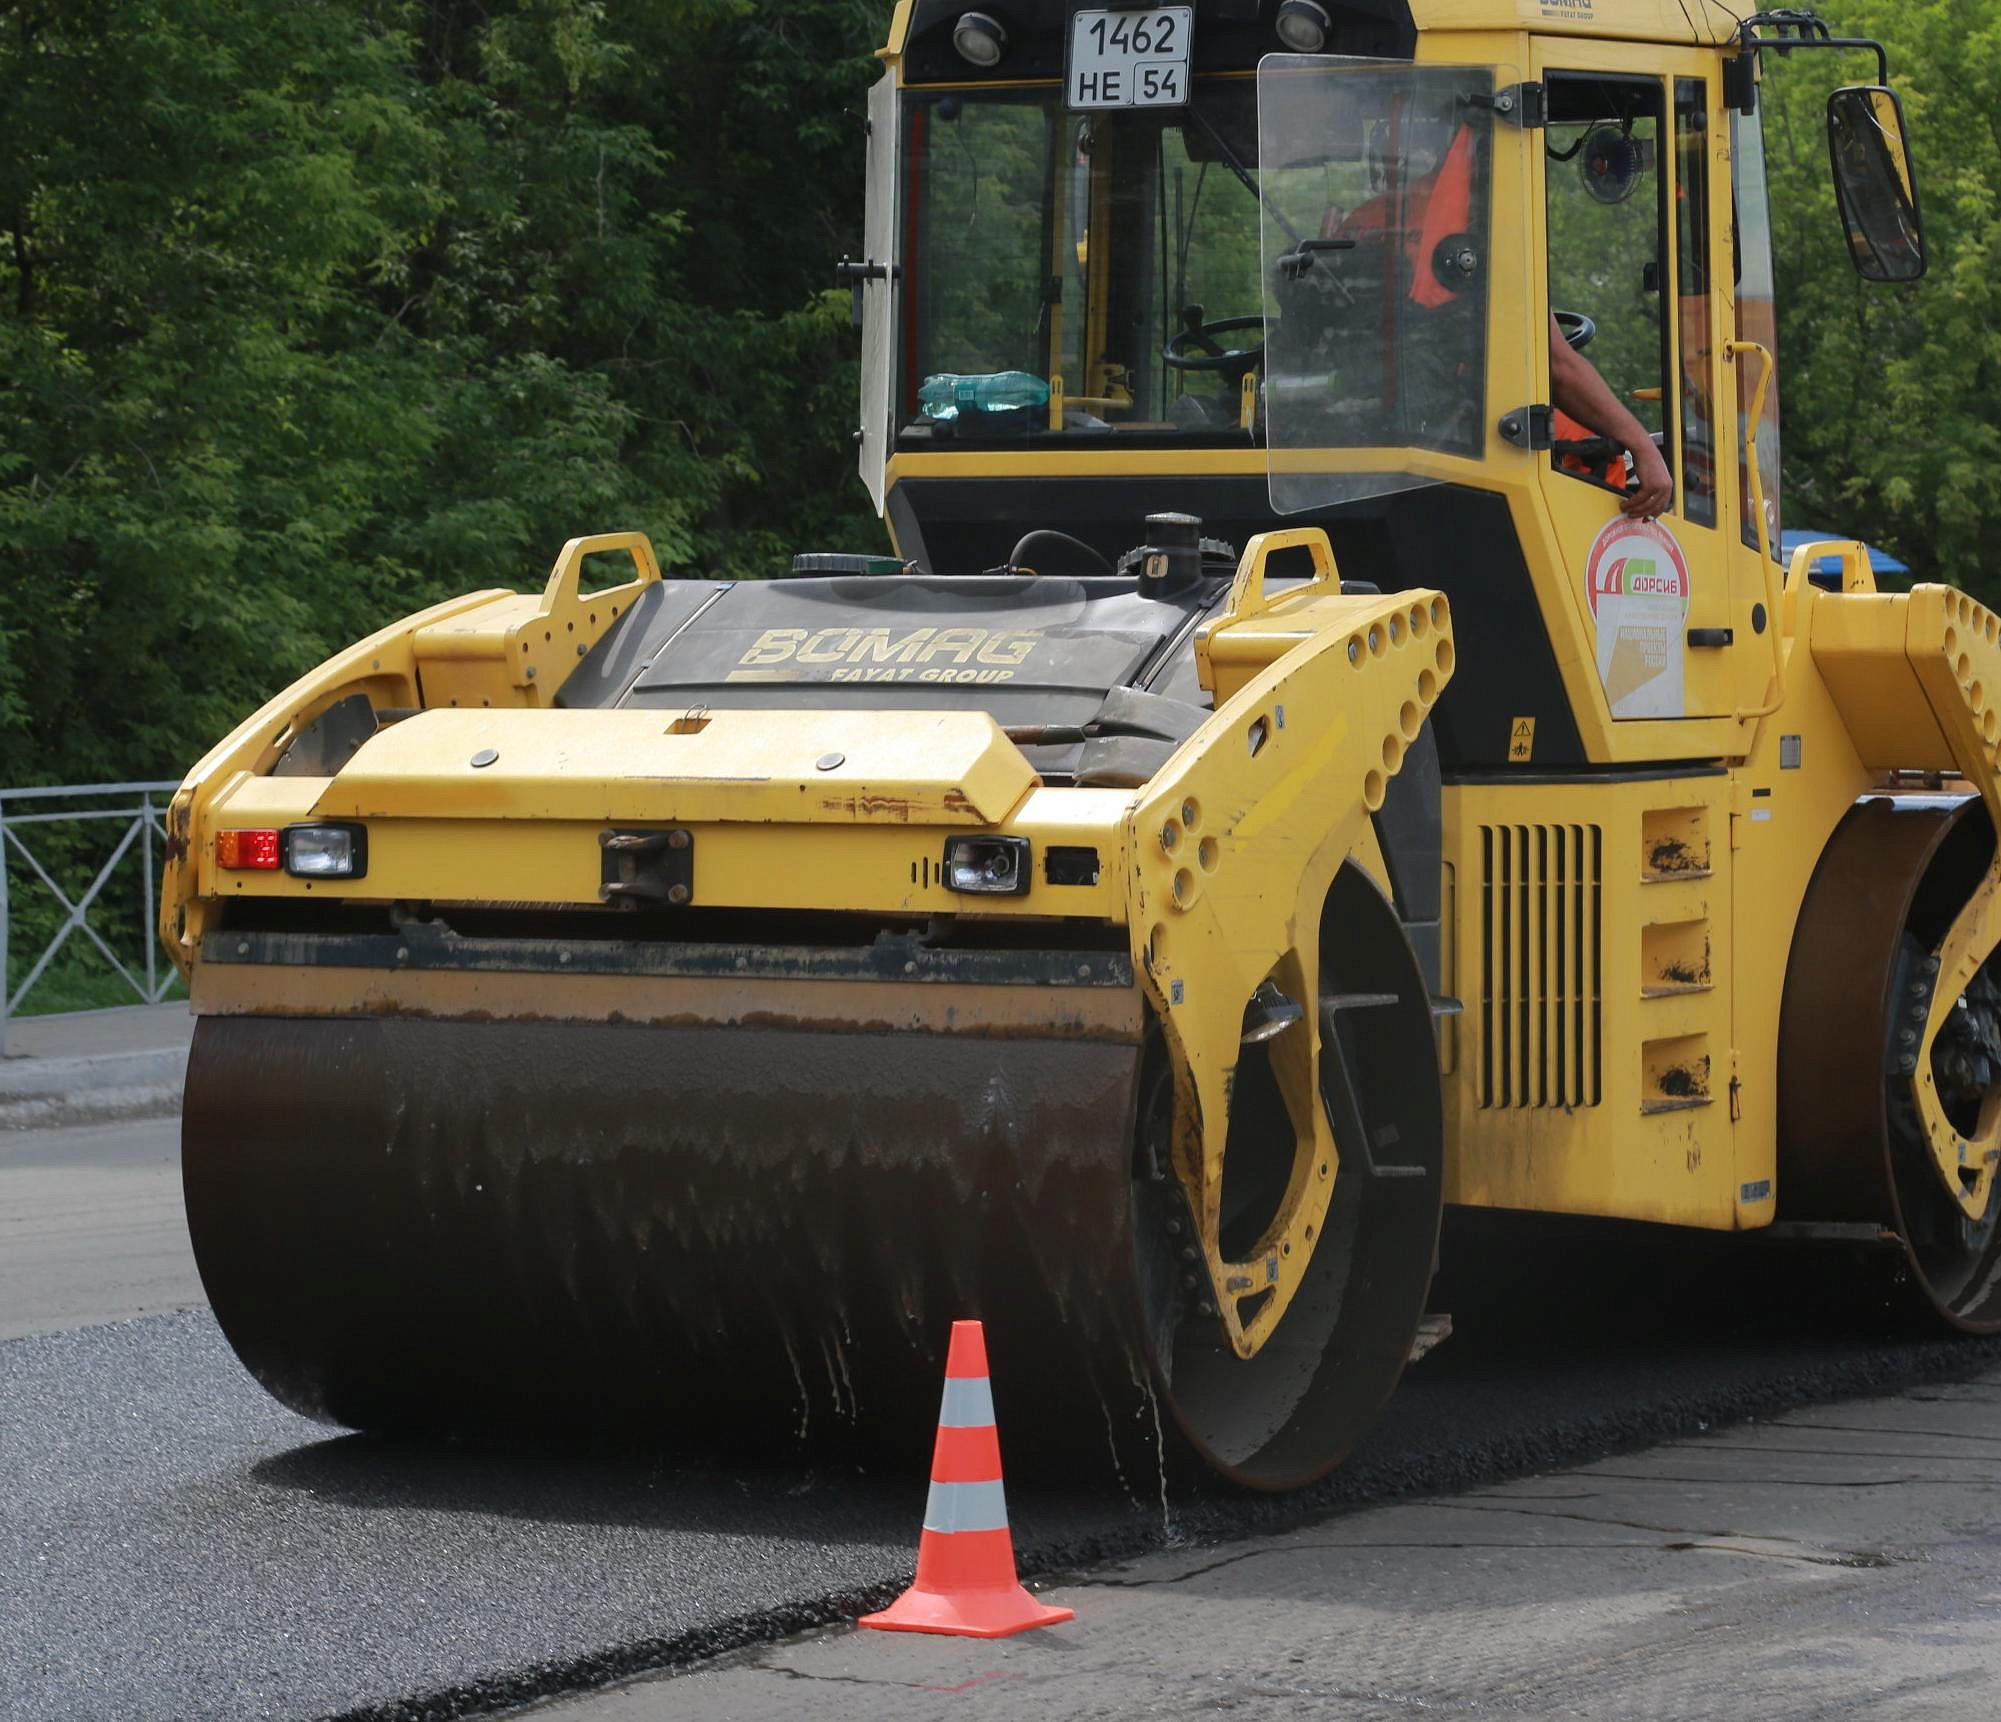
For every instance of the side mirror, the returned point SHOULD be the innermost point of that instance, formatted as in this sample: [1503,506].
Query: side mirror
[1874,183]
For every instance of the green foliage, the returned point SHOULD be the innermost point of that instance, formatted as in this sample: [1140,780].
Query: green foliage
[1893,394]
[311,315]
[85,981]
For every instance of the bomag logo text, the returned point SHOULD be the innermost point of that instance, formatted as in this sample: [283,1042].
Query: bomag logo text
[883,655]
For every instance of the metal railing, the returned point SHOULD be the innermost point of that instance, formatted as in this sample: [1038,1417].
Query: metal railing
[141,807]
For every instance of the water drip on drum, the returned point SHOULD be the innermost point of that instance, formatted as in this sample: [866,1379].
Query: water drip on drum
[798,1375]
[1160,1449]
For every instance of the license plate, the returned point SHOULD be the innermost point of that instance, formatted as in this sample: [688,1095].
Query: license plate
[1130,59]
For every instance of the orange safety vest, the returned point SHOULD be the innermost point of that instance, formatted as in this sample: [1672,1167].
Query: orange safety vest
[1439,205]
[1564,428]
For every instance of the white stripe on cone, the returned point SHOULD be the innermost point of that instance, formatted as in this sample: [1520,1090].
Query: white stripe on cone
[966,1507]
[969,1403]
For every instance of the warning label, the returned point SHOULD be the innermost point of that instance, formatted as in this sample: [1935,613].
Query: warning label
[1637,582]
[1521,741]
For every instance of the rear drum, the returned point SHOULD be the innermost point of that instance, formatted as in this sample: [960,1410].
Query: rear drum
[1851,1148]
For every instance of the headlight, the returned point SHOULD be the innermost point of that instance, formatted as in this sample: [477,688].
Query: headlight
[1269,1014]
[326,851]
[1303,26]
[988,866]
[980,39]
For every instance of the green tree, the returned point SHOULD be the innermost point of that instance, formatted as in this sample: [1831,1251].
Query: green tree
[1893,394]
[309,315]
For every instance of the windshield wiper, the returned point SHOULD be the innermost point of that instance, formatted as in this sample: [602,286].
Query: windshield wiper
[1231,161]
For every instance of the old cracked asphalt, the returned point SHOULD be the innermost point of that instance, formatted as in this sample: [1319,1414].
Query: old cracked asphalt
[175,1545]
[1831,1565]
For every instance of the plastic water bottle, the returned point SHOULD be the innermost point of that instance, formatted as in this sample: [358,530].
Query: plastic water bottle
[947,395]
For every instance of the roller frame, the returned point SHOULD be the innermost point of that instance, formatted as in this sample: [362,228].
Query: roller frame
[1333,686]
[1337,687]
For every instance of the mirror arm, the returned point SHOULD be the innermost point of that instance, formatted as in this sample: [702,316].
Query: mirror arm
[1811,33]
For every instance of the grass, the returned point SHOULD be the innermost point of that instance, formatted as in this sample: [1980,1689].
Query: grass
[78,850]
[89,983]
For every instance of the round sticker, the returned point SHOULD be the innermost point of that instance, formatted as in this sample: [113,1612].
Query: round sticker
[1637,559]
[1637,583]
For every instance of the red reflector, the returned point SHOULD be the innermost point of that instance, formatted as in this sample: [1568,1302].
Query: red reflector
[247,849]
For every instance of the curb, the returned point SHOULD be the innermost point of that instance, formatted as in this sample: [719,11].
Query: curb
[48,1093]
[96,1106]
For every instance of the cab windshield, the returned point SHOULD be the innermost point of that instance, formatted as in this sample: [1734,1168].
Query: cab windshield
[1074,275]
[1378,190]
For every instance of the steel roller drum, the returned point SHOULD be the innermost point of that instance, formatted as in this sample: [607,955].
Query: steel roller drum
[725,1238]
[761,1231]
[1851,1149]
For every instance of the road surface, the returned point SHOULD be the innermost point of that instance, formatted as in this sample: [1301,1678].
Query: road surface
[1837,1563]
[91,1228]
[176,1545]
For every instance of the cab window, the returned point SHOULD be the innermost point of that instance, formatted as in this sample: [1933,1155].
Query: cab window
[1698,363]
[1606,246]
[1080,275]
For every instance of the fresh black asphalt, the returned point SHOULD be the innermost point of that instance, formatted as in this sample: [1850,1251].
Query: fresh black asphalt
[174,1545]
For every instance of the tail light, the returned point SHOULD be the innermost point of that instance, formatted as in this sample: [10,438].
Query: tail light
[247,851]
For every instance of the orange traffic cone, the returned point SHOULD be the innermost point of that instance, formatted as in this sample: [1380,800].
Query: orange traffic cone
[966,1581]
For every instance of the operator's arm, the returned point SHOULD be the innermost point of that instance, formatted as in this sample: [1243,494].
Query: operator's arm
[1576,387]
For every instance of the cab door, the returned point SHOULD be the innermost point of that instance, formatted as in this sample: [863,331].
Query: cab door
[1626,173]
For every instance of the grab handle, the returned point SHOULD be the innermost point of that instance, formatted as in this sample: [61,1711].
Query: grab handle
[1247,590]
[1756,418]
[568,571]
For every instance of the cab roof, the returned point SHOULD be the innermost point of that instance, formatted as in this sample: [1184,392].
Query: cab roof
[1233,35]
[1705,23]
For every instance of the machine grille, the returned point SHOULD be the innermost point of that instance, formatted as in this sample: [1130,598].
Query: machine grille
[1540,965]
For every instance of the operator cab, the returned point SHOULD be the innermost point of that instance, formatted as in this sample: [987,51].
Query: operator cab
[1126,260]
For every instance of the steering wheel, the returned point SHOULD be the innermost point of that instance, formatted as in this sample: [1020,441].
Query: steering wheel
[1233,362]
[1578,329]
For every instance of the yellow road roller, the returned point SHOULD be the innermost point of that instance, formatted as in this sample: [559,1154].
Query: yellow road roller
[1335,737]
